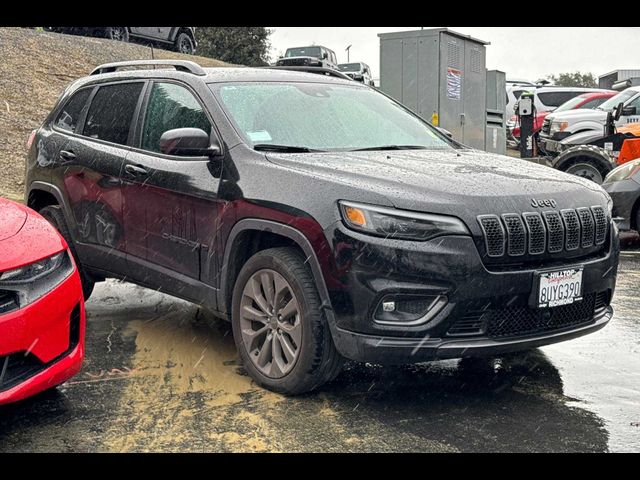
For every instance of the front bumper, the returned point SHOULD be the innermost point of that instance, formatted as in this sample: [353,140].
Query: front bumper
[624,194]
[44,342]
[370,269]
[394,351]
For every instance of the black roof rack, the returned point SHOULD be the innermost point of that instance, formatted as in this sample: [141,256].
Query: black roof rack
[180,65]
[319,70]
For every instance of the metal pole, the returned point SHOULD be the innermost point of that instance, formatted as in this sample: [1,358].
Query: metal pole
[348,52]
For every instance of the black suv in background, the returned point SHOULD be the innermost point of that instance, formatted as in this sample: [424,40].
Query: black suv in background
[182,39]
[314,56]
[320,217]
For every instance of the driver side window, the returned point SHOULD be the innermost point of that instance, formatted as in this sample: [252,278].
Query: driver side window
[171,106]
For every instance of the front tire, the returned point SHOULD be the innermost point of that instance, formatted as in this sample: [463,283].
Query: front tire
[279,326]
[54,215]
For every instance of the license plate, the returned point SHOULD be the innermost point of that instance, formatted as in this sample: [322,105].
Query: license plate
[562,287]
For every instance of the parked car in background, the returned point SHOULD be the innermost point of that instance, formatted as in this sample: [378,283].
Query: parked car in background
[359,71]
[313,56]
[42,317]
[563,130]
[589,101]
[321,217]
[623,185]
[182,39]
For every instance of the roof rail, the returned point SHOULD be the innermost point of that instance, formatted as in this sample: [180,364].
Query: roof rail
[180,65]
[319,70]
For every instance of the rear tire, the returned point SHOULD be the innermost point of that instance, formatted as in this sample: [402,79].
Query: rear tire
[54,215]
[586,161]
[285,349]
[184,44]
[120,34]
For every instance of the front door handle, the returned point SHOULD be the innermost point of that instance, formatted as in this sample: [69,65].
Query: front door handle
[67,155]
[135,171]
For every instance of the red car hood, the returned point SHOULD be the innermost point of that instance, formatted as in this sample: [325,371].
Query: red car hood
[25,236]
[12,219]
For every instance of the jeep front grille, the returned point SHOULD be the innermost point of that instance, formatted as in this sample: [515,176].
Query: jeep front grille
[535,234]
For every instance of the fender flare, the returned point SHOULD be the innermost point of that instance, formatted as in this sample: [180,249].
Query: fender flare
[597,154]
[57,193]
[286,231]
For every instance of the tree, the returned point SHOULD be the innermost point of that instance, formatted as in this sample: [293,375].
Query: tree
[575,79]
[239,45]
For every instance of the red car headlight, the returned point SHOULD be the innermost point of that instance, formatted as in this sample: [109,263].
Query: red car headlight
[30,282]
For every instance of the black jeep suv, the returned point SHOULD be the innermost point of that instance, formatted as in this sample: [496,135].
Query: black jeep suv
[320,217]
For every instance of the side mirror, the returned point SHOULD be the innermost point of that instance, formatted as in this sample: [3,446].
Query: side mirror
[617,112]
[629,111]
[325,56]
[188,142]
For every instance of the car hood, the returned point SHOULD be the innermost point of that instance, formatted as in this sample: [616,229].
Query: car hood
[580,114]
[465,183]
[12,219]
[25,236]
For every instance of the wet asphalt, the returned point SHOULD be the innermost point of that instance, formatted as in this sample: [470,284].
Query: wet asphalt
[162,375]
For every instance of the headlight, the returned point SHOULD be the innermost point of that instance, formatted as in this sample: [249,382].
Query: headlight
[400,224]
[623,172]
[33,271]
[557,127]
[35,280]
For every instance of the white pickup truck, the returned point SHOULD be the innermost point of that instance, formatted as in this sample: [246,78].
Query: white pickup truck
[563,130]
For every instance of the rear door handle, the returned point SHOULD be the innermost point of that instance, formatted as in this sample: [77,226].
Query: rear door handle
[67,155]
[135,171]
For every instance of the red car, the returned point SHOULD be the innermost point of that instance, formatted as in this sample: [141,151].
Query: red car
[586,100]
[42,316]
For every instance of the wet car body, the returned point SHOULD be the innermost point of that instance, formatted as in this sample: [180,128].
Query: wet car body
[41,316]
[625,193]
[187,227]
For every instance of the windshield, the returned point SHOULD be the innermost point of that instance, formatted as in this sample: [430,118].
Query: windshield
[614,101]
[324,117]
[349,67]
[570,104]
[303,52]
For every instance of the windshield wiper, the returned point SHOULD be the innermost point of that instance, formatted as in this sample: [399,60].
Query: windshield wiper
[269,147]
[391,147]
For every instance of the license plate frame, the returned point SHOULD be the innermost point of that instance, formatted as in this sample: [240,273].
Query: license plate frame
[564,293]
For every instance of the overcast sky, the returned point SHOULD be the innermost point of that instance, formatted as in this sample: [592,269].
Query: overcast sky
[522,52]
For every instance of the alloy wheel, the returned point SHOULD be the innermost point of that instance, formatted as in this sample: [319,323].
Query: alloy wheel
[270,323]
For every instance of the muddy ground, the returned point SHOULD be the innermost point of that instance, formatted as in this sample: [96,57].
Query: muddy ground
[160,375]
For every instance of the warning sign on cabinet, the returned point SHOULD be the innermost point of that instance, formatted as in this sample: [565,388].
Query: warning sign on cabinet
[454,83]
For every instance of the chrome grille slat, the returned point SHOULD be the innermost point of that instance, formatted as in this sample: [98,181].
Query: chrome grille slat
[550,232]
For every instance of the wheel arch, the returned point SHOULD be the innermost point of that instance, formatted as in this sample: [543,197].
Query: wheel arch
[572,155]
[42,194]
[277,234]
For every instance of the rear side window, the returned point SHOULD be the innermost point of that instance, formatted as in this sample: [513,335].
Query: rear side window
[171,106]
[555,99]
[111,112]
[68,118]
